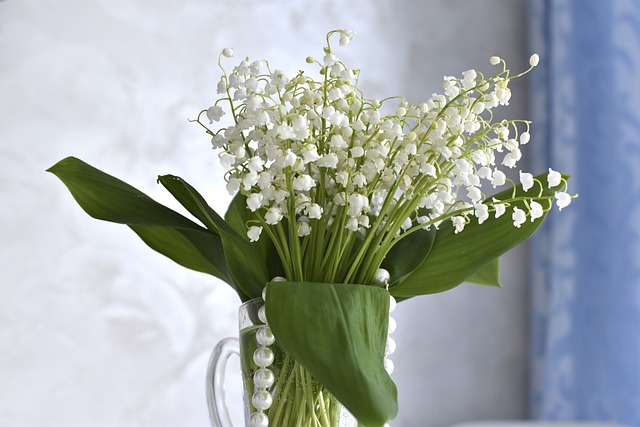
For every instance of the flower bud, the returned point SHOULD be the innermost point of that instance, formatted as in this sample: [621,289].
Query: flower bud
[534,60]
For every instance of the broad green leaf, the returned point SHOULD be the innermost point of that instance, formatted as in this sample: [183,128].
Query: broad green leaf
[338,333]
[107,198]
[455,257]
[247,264]
[408,254]
[191,200]
[488,275]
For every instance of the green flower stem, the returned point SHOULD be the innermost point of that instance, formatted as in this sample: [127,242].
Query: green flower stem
[282,395]
[319,242]
[299,400]
[368,248]
[385,241]
[334,243]
[310,395]
[340,268]
[355,264]
[323,408]
[294,241]
[298,403]
[282,238]
[390,239]
[277,243]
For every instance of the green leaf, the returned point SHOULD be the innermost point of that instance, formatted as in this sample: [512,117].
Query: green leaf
[338,333]
[191,200]
[247,264]
[455,257]
[107,198]
[408,254]
[488,275]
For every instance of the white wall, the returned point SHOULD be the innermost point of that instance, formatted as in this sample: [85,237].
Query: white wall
[97,330]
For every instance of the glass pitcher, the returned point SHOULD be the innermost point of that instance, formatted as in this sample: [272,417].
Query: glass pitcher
[295,397]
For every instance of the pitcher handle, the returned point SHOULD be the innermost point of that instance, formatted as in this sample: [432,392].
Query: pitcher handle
[218,413]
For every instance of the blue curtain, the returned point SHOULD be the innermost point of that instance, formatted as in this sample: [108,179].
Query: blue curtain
[585,290]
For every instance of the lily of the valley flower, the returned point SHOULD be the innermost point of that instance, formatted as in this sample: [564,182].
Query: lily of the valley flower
[320,142]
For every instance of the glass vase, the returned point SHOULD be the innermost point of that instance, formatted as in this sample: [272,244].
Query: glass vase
[295,398]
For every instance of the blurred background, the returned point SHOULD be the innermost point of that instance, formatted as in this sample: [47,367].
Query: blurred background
[98,330]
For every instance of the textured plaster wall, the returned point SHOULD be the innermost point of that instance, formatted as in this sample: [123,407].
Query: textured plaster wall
[97,330]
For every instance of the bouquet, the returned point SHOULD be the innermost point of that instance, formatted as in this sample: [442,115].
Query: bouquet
[346,200]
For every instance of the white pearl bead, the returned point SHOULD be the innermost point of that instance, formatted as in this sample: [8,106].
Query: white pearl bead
[392,325]
[263,378]
[261,400]
[258,419]
[392,304]
[263,357]
[264,336]
[389,366]
[262,315]
[278,279]
[391,346]
[381,277]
